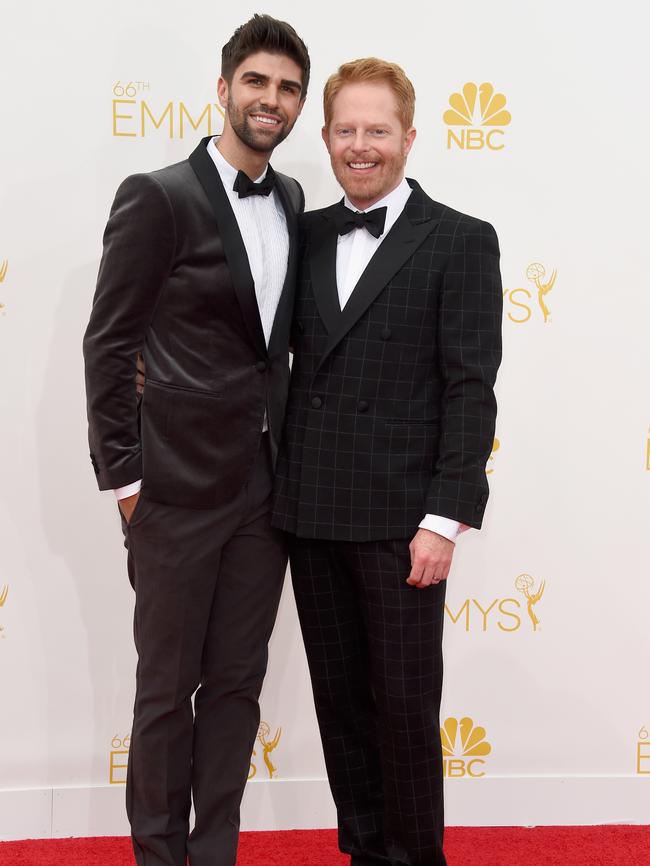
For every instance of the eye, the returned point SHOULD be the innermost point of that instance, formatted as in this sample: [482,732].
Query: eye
[343,132]
[379,132]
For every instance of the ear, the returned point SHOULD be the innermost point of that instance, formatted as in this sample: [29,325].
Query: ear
[326,137]
[301,106]
[409,138]
[222,92]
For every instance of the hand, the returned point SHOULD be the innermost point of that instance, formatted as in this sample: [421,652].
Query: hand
[127,506]
[431,556]
[140,374]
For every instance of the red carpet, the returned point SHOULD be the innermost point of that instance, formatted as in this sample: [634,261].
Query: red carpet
[465,846]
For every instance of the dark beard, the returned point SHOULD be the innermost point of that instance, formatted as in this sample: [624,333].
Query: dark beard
[259,142]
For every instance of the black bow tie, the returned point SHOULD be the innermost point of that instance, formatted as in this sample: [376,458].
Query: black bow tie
[372,220]
[244,186]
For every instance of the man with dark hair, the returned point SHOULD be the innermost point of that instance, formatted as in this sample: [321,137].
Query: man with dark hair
[390,422]
[198,275]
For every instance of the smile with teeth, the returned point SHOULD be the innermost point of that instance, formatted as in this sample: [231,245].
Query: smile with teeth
[270,121]
[361,165]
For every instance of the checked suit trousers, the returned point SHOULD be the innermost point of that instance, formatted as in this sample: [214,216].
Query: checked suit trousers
[374,647]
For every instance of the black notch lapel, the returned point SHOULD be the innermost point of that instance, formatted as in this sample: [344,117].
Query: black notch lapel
[406,235]
[233,245]
[281,329]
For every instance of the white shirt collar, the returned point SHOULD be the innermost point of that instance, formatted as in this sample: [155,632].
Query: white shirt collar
[227,172]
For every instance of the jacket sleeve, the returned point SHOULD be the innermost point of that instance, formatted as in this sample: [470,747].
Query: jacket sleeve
[139,244]
[470,353]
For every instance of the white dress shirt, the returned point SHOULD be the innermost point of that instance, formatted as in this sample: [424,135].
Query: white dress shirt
[353,253]
[263,227]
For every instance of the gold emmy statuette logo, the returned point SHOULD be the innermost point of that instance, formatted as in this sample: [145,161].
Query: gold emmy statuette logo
[118,760]
[505,614]
[268,746]
[495,447]
[4,592]
[470,117]
[647,453]
[536,274]
[520,299]
[525,584]
[136,117]
[4,265]
[643,753]
[463,748]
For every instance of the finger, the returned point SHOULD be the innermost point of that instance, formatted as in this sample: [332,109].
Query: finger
[428,576]
[415,575]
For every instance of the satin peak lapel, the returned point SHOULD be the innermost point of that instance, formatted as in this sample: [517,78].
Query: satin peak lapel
[233,245]
[280,331]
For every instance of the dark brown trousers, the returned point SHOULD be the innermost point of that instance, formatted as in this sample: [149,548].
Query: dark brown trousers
[207,584]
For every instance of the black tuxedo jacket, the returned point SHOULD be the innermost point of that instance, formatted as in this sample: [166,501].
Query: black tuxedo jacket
[391,410]
[174,283]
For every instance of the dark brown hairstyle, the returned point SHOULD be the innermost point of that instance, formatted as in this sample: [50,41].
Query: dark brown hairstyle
[264,33]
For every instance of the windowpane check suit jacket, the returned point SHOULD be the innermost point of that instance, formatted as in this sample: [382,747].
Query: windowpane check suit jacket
[392,411]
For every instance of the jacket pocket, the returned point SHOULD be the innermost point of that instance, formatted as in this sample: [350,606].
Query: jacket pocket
[413,422]
[204,392]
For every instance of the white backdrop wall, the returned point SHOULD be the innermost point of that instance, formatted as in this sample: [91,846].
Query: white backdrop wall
[555,698]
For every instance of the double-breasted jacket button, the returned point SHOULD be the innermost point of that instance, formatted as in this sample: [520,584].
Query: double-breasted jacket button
[261,366]
[363,406]
[386,334]
[316,402]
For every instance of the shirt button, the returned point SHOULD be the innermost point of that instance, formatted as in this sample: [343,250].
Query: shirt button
[363,406]
[260,366]
[316,402]
[386,334]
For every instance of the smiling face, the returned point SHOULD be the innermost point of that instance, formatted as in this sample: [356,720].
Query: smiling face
[366,141]
[262,102]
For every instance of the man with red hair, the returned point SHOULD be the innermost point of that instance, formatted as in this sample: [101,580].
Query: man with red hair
[390,423]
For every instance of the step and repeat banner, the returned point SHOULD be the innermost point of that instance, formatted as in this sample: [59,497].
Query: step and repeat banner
[531,117]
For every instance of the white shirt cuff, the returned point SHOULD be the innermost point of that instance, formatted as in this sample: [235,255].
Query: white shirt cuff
[128,490]
[444,526]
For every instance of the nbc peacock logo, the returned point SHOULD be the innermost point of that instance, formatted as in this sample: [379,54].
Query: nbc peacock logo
[463,749]
[471,111]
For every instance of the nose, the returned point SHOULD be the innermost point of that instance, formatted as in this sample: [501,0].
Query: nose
[270,96]
[359,145]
